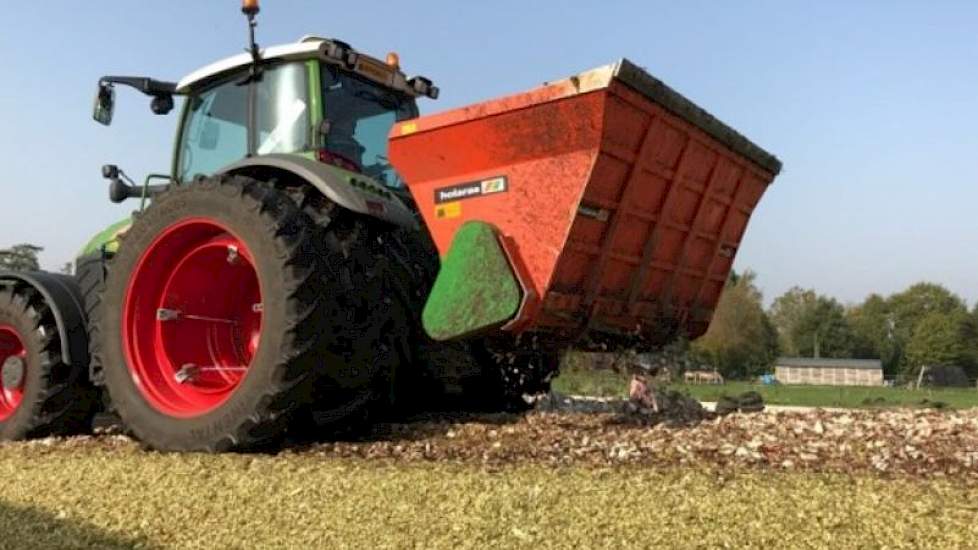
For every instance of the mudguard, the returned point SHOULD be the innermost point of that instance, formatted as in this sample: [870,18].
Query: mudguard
[63,296]
[359,193]
[476,289]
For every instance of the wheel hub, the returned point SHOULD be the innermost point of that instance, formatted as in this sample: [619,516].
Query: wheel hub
[192,318]
[13,370]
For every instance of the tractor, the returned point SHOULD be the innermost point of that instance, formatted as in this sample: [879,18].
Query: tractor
[320,254]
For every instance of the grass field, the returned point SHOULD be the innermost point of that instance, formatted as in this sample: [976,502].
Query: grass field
[577,381]
[66,496]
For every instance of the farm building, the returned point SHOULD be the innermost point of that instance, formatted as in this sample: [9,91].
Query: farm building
[829,372]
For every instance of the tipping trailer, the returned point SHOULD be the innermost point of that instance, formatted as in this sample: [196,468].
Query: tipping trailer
[282,278]
[618,206]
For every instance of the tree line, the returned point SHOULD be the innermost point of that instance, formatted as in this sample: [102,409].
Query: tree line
[20,257]
[925,324]
[23,257]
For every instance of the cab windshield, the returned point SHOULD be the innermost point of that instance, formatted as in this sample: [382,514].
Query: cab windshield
[360,114]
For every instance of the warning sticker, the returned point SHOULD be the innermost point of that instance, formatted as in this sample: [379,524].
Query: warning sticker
[471,189]
[448,210]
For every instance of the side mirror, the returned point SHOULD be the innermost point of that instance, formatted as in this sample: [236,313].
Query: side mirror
[119,191]
[110,171]
[104,104]
[209,135]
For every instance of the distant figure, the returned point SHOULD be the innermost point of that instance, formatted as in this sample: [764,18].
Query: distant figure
[640,393]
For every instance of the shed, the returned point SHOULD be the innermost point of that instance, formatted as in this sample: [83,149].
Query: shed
[829,372]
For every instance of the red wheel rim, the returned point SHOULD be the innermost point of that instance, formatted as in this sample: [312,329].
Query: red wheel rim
[192,318]
[11,345]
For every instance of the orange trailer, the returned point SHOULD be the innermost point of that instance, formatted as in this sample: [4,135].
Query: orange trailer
[619,204]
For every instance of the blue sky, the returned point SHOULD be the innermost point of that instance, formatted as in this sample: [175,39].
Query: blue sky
[872,107]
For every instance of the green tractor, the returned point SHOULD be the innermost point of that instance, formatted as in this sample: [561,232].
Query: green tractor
[282,245]
[284,277]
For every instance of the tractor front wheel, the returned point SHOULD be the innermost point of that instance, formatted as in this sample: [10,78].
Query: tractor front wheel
[207,327]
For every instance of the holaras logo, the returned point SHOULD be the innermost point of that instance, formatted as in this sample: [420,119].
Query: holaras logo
[471,189]
[495,185]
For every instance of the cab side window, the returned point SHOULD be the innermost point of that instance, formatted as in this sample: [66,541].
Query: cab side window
[215,132]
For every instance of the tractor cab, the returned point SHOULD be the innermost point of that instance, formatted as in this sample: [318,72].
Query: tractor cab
[316,110]
[316,99]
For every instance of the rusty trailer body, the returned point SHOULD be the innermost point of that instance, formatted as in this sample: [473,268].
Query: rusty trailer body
[619,203]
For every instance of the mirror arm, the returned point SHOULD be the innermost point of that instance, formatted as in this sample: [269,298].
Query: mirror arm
[161,92]
[148,86]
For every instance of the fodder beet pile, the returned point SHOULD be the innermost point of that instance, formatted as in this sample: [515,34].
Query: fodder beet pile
[910,442]
[595,433]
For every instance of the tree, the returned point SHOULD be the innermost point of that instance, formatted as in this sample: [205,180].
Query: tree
[822,330]
[884,327]
[873,334]
[812,325]
[918,301]
[939,339]
[21,257]
[741,340]
[909,308]
[785,313]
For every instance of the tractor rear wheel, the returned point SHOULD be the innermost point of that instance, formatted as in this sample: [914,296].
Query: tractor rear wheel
[40,395]
[378,277]
[210,318]
[368,323]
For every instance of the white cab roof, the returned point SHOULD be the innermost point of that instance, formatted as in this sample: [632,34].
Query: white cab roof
[305,48]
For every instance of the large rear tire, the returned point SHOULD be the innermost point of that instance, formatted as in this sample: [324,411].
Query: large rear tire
[368,325]
[210,317]
[40,395]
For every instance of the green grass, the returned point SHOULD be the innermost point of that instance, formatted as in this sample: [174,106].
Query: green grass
[580,381]
[594,382]
[67,496]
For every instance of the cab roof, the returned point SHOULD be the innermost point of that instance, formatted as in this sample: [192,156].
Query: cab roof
[311,47]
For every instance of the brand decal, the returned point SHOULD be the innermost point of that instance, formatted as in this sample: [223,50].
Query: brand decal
[472,189]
